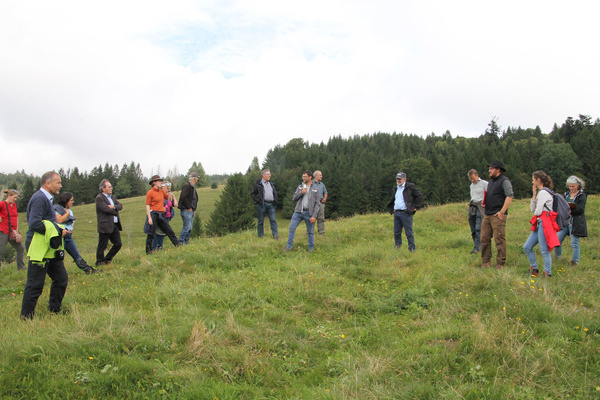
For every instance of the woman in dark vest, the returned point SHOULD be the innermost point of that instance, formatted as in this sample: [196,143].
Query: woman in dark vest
[577,225]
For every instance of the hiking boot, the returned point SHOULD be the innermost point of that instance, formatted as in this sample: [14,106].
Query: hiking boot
[573,263]
[499,266]
[486,265]
[546,275]
[475,251]
[533,271]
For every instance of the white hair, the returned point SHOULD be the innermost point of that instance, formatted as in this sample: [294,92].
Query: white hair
[574,180]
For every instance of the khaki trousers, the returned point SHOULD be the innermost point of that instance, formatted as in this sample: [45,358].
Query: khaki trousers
[492,226]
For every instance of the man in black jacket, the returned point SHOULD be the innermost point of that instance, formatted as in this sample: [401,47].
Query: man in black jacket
[406,200]
[188,201]
[265,197]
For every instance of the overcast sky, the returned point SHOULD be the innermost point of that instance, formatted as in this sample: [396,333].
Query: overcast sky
[164,84]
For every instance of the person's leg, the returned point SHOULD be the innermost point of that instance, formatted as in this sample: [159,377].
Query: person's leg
[260,214]
[499,228]
[187,217]
[473,225]
[71,248]
[166,228]
[407,223]
[158,242]
[397,229]
[477,239]
[575,247]
[3,241]
[36,276]
[562,234]
[115,239]
[270,210]
[486,239]
[546,256]
[321,219]
[60,279]
[102,244]
[296,218]
[530,243]
[310,230]
[20,249]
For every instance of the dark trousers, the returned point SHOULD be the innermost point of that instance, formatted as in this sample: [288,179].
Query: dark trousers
[475,219]
[103,238]
[160,221]
[403,219]
[36,277]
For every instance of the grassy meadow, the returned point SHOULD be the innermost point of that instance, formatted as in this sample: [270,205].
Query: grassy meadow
[238,318]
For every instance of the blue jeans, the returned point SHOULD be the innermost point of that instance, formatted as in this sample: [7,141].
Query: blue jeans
[536,237]
[261,210]
[71,248]
[403,219]
[310,229]
[188,218]
[475,224]
[574,244]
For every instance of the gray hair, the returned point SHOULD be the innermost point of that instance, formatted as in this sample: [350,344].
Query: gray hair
[48,177]
[264,171]
[574,180]
[102,184]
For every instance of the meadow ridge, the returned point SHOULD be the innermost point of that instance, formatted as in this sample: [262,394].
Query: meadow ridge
[236,317]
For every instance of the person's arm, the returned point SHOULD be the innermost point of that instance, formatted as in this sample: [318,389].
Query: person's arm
[500,214]
[580,202]
[324,198]
[60,218]
[103,206]
[174,200]
[418,198]
[298,193]
[118,206]
[148,214]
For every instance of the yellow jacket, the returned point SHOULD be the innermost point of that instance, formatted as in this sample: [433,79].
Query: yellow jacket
[40,249]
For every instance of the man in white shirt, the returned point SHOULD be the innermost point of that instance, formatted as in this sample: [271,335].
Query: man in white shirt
[476,210]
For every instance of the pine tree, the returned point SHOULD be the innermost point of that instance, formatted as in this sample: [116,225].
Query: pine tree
[197,229]
[26,192]
[233,211]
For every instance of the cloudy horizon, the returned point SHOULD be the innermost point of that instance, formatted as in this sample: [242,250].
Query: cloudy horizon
[220,82]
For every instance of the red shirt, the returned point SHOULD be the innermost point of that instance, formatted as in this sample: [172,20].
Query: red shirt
[155,198]
[4,215]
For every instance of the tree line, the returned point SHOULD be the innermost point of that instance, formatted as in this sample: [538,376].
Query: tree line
[359,172]
[127,180]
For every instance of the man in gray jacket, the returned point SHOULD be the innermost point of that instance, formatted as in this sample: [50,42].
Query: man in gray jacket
[307,209]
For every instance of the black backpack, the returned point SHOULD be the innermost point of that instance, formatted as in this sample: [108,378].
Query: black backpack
[560,205]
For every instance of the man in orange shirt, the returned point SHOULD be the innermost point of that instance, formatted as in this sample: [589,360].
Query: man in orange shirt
[155,212]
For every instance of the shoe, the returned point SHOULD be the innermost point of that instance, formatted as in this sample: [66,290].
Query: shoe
[499,266]
[93,271]
[276,237]
[486,265]
[533,271]
[573,263]
[474,251]
[546,275]
[287,249]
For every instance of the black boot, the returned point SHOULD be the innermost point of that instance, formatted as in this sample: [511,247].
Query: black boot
[85,267]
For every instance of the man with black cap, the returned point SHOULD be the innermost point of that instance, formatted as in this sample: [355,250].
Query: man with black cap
[406,200]
[497,200]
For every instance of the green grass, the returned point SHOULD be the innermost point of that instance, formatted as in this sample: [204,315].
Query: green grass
[238,318]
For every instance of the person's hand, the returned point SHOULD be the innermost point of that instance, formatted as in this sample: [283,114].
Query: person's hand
[111,206]
[149,220]
[534,190]
[324,201]
[65,232]
[189,209]
[499,214]
[304,190]
[312,220]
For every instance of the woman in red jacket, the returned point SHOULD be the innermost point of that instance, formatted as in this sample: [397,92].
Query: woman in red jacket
[543,224]
[8,211]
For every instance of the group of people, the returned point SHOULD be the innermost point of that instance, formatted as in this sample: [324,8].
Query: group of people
[310,198]
[488,212]
[51,225]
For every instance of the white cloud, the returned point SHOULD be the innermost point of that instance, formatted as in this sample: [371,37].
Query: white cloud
[82,84]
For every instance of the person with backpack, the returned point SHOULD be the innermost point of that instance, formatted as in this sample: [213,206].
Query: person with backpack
[577,226]
[543,224]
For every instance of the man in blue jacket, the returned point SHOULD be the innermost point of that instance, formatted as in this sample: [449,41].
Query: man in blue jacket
[307,208]
[39,209]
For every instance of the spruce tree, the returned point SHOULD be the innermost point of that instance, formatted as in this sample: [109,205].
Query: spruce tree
[233,212]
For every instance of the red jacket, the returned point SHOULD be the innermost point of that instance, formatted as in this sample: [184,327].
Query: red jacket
[550,228]
[4,215]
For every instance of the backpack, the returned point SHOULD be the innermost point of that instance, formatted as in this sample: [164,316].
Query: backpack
[560,205]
